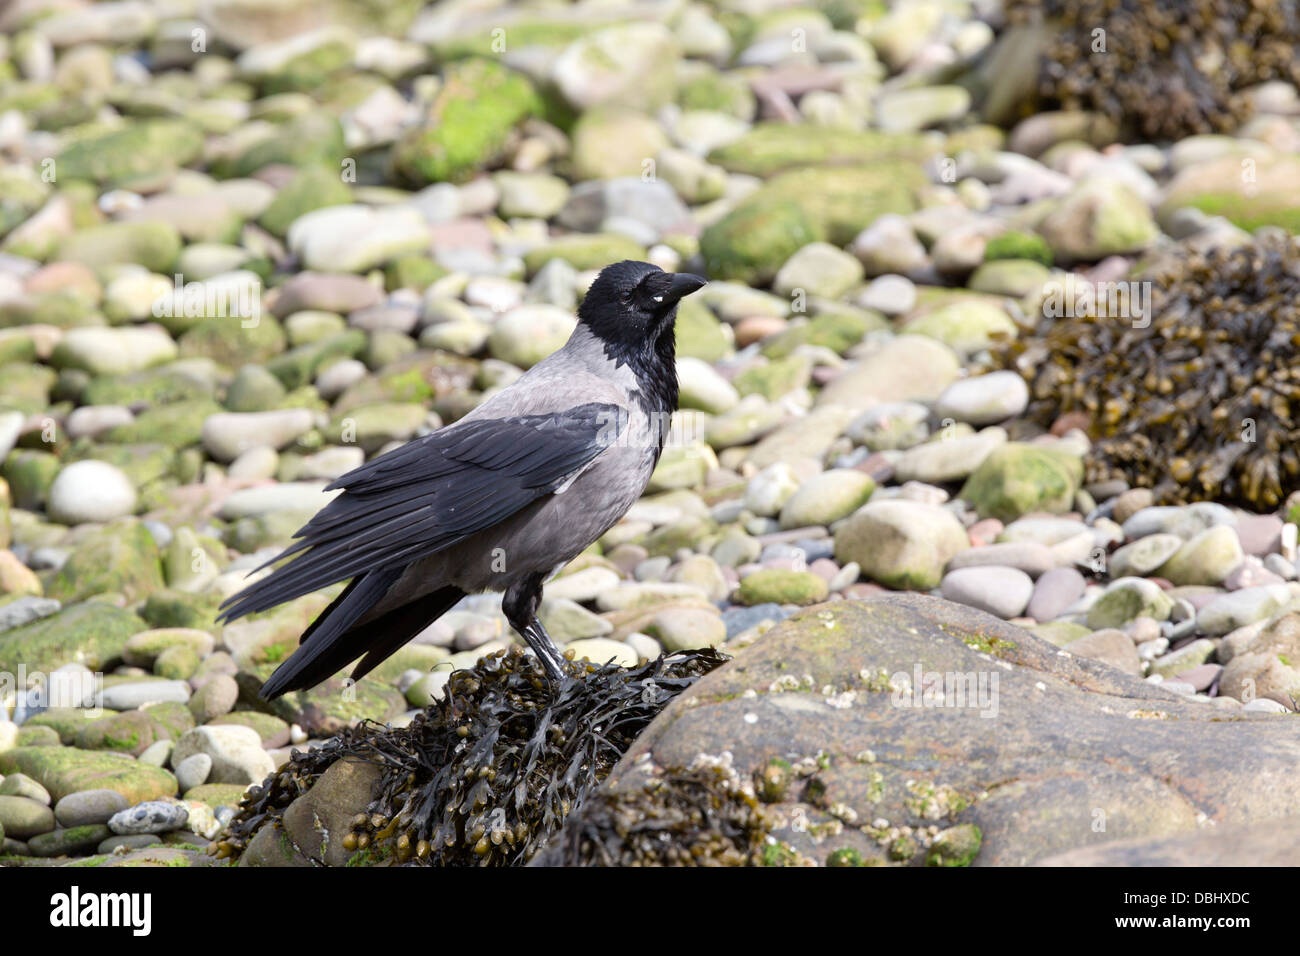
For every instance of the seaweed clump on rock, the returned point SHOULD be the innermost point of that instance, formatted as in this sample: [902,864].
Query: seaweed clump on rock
[1169,68]
[1203,403]
[486,775]
[702,815]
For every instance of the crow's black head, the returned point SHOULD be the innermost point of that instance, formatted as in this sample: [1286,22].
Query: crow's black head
[633,304]
[631,308]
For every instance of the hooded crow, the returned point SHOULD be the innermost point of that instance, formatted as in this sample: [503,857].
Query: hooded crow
[498,501]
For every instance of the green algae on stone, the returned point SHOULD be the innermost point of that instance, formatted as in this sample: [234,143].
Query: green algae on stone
[72,841]
[753,241]
[217,794]
[139,148]
[273,731]
[775,378]
[160,385]
[773,147]
[584,251]
[699,333]
[1018,245]
[800,206]
[313,188]
[130,732]
[232,341]
[955,846]
[175,425]
[479,104]
[298,366]
[153,245]
[30,474]
[92,634]
[171,608]
[310,139]
[782,587]
[65,770]
[120,557]
[67,722]
[1016,479]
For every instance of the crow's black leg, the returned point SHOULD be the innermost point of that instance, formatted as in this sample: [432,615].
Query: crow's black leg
[520,606]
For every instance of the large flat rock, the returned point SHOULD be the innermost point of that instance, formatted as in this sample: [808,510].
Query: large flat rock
[1272,843]
[1060,754]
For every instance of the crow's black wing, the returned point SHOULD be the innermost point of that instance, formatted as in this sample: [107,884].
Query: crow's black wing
[430,494]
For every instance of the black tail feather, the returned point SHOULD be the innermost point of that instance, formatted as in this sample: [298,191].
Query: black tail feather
[330,643]
[334,639]
[402,624]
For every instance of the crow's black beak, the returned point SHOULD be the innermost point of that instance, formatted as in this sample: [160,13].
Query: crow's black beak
[682,285]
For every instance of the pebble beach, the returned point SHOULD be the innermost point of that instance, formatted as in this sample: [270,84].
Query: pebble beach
[247,246]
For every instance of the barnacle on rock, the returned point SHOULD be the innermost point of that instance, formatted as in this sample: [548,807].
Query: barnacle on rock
[1163,68]
[489,773]
[1203,401]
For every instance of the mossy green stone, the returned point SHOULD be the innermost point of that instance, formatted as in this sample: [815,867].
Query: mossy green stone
[297,367]
[153,245]
[1016,479]
[312,68]
[73,841]
[584,251]
[840,329]
[273,731]
[37,737]
[480,102]
[310,139]
[175,425]
[175,717]
[166,608]
[163,384]
[92,634]
[771,147]
[228,341]
[1018,245]
[782,587]
[26,387]
[67,722]
[65,770]
[140,148]
[177,663]
[30,474]
[778,377]
[62,309]
[130,732]
[313,188]
[699,333]
[122,557]
[217,794]
[19,350]
[412,272]
[754,240]
[706,88]
[955,846]
[789,211]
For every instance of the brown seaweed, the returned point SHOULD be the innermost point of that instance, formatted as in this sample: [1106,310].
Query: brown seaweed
[1170,68]
[489,773]
[1204,402]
